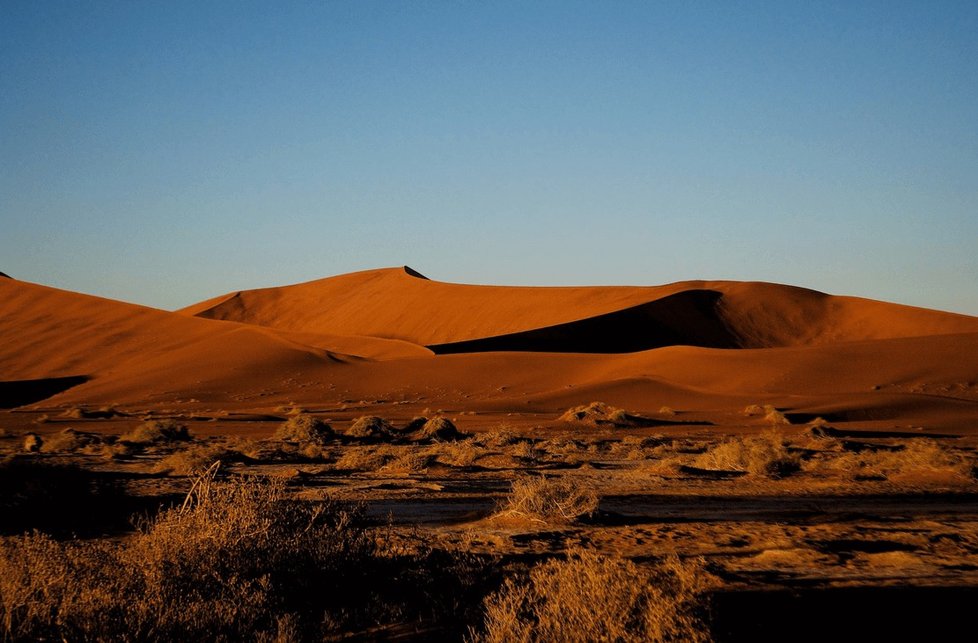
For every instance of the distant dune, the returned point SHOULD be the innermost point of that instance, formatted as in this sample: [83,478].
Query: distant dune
[394,334]
[399,303]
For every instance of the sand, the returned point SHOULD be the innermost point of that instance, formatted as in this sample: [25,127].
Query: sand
[391,335]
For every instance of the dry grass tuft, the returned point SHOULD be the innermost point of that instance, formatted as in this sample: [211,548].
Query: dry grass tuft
[917,457]
[458,454]
[68,441]
[196,459]
[363,458]
[550,500]
[371,427]
[228,565]
[759,455]
[157,432]
[33,443]
[304,429]
[753,409]
[597,413]
[589,597]
[774,417]
[440,429]
[497,439]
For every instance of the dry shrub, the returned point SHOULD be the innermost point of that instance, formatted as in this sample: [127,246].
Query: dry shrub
[665,410]
[409,462]
[459,454]
[526,450]
[363,459]
[759,455]
[304,429]
[753,409]
[597,413]
[371,427]
[196,459]
[915,458]
[497,439]
[67,441]
[550,500]
[33,443]
[775,417]
[157,432]
[441,430]
[228,565]
[590,597]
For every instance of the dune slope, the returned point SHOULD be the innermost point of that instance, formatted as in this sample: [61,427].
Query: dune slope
[399,303]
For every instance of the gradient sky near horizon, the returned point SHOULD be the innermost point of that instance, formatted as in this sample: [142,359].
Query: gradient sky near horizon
[167,152]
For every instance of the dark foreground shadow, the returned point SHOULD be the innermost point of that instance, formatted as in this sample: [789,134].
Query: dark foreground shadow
[20,392]
[845,614]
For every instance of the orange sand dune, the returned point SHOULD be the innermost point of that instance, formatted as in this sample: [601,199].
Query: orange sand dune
[50,333]
[703,347]
[399,303]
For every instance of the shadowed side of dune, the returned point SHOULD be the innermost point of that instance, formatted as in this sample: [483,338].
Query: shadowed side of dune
[21,392]
[687,318]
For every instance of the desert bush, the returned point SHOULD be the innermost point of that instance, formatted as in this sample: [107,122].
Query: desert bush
[157,432]
[67,441]
[371,427]
[590,597]
[550,500]
[753,409]
[196,458]
[497,439]
[666,410]
[235,560]
[775,417]
[33,443]
[525,450]
[597,413]
[914,458]
[409,462]
[304,428]
[458,454]
[759,455]
[363,458]
[440,429]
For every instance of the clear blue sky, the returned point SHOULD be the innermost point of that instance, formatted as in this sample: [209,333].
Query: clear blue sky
[165,152]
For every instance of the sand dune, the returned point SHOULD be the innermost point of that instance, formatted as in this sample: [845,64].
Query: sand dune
[700,346]
[398,303]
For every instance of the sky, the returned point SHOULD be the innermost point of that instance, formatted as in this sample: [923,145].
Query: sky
[167,152]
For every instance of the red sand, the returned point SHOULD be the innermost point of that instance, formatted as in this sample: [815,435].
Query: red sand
[702,346]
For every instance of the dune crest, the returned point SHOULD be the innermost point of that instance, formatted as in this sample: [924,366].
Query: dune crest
[394,303]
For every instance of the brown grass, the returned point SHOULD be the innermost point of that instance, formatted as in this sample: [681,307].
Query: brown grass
[234,561]
[157,432]
[589,597]
[304,429]
[917,457]
[596,413]
[550,500]
[371,427]
[758,455]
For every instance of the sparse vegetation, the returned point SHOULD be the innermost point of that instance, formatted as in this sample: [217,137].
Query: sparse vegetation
[157,432]
[759,455]
[915,458]
[304,429]
[67,441]
[550,500]
[590,597]
[597,413]
[370,427]
[440,429]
